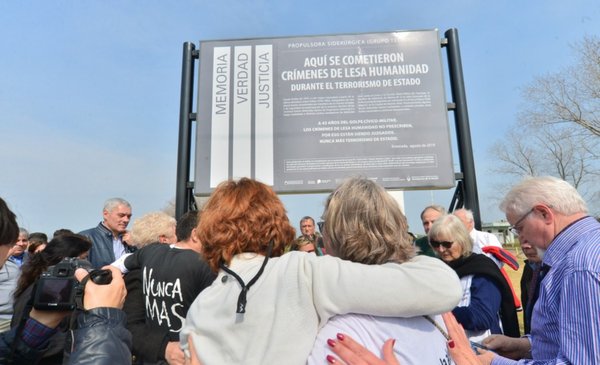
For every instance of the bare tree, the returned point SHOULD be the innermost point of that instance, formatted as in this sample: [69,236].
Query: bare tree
[558,126]
[568,156]
[549,150]
[515,156]
[570,96]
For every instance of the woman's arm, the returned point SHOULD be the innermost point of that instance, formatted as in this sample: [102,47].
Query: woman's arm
[423,285]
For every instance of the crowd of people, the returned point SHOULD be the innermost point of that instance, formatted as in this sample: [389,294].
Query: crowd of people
[233,284]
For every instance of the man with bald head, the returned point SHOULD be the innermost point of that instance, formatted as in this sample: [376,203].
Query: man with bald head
[428,216]
[480,239]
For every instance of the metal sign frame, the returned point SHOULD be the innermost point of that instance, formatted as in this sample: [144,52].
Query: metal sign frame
[466,189]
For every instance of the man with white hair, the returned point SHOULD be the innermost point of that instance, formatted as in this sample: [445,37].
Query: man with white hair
[480,239]
[551,215]
[107,237]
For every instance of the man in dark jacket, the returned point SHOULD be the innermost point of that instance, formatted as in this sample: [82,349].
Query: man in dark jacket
[107,237]
[531,272]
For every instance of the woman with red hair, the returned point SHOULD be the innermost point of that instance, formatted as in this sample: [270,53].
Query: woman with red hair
[265,308]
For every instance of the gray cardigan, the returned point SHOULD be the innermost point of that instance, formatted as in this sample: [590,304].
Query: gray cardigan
[9,274]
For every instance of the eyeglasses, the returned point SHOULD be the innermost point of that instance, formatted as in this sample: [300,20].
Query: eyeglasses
[437,244]
[321,225]
[515,227]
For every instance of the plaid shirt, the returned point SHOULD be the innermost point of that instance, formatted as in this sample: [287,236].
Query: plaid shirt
[36,334]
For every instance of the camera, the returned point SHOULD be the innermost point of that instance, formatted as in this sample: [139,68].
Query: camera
[57,288]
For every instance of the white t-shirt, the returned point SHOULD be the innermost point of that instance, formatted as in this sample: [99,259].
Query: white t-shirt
[418,341]
[483,239]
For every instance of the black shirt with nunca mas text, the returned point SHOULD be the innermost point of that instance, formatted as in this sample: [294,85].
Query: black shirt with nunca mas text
[171,280]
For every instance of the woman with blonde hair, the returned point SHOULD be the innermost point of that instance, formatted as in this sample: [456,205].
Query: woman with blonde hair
[265,308]
[364,224]
[153,227]
[306,244]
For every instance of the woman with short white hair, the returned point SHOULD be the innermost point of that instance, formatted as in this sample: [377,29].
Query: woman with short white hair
[487,306]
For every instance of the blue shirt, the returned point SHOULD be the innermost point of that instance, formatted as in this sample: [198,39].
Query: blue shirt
[118,247]
[18,260]
[565,327]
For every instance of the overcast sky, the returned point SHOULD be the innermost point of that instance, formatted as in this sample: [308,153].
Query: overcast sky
[89,90]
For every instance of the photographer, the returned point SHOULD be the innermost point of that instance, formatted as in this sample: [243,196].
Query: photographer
[68,245]
[101,337]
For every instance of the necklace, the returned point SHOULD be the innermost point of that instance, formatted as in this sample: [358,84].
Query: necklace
[241,304]
[433,322]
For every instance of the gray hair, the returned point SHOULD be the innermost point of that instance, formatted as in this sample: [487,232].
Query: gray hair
[451,227]
[24,232]
[468,213]
[437,208]
[363,223]
[557,194]
[112,203]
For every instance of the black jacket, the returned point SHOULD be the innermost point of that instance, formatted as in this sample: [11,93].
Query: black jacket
[526,289]
[101,339]
[477,264]
[101,253]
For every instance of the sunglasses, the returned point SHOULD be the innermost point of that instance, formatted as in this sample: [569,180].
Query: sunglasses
[437,244]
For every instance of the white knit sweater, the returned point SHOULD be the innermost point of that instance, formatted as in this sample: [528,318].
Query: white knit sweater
[297,294]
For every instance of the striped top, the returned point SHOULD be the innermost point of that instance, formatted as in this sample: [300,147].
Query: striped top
[565,326]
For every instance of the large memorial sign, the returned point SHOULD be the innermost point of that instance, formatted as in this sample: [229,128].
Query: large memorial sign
[303,113]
